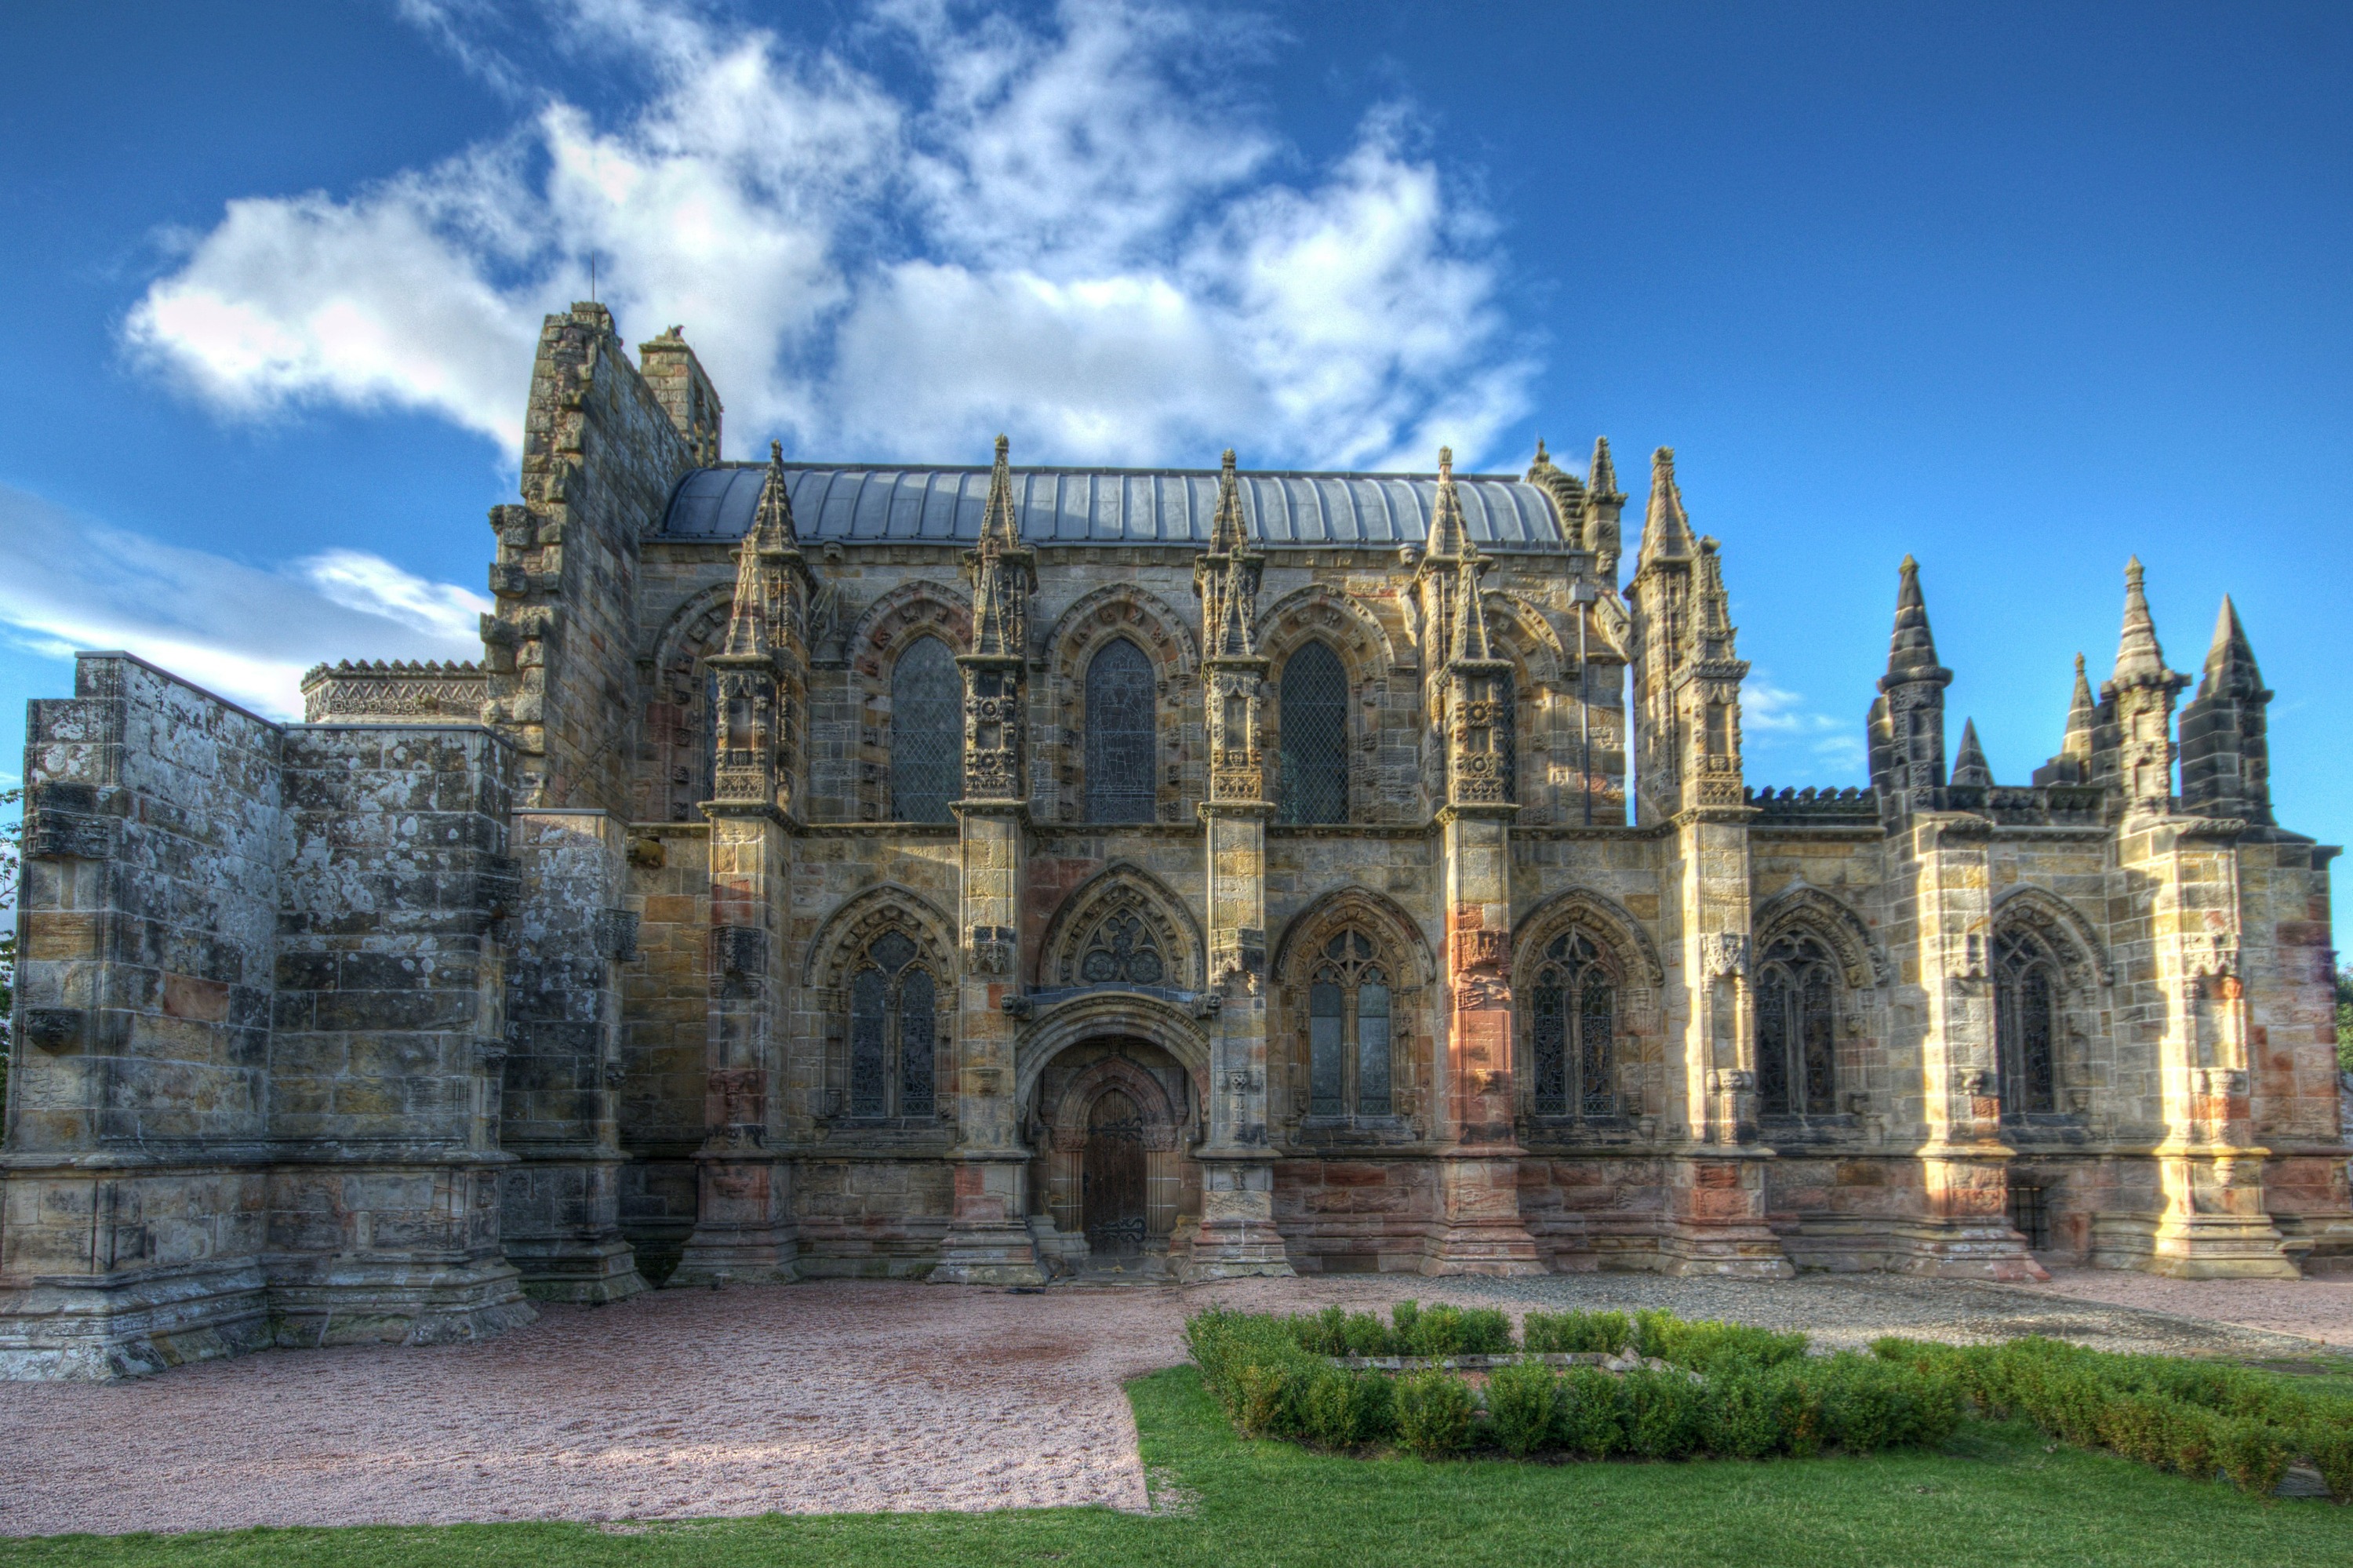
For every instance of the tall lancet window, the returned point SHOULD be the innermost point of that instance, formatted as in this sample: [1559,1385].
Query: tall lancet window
[2025,1022]
[893,1030]
[1796,1048]
[1348,1030]
[1121,740]
[1315,787]
[1573,1026]
[926,732]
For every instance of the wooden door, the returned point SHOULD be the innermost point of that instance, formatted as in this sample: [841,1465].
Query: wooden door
[1112,1175]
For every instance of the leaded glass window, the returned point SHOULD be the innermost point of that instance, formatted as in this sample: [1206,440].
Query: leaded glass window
[894,1032]
[926,732]
[1573,1022]
[1314,780]
[1797,1033]
[1121,742]
[2025,1022]
[1349,1068]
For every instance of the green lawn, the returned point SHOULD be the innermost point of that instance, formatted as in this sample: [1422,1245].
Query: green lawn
[1996,1495]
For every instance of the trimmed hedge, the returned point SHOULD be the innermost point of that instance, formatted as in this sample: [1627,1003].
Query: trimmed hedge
[1759,1394]
[2198,1418]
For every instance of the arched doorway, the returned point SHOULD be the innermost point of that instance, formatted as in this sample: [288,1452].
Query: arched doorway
[1112,1127]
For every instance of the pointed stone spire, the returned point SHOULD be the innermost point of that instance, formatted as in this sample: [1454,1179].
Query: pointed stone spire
[1970,768]
[1472,644]
[2231,668]
[1907,719]
[1448,536]
[747,619]
[1000,526]
[2225,744]
[1228,531]
[1601,478]
[1666,527]
[998,567]
[2073,765]
[1912,650]
[774,526]
[2140,660]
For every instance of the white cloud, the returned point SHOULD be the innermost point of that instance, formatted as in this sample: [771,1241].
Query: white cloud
[246,634]
[1780,729]
[1067,231]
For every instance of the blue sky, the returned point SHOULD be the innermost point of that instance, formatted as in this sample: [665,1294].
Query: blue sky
[2020,289]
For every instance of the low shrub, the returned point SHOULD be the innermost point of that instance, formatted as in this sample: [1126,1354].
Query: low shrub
[2196,1417]
[1589,1413]
[1665,1411]
[1571,1333]
[1347,1410]
[1739,1417]
[1365,1335]
[1704,1345]
[1521,1401]
[1433,1413]
[1403,1315]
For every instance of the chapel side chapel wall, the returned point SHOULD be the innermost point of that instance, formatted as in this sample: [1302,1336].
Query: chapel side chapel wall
[664,1039]
[147,928]
[2296,1106]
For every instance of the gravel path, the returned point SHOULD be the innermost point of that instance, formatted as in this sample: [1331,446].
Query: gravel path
[840,1395]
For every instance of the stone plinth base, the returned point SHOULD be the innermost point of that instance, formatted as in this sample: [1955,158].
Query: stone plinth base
[1716,1220]
[742,1231]
[77,1331]
[988,1242]
[316,1301]
[1237,1238]
[2214,1226]
[585,1273]
[1964,1230]
[1478,1229]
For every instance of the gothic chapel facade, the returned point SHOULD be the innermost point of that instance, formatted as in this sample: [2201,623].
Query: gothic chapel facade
[984,875]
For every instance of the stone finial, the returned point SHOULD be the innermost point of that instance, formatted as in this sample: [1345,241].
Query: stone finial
[1969,767]
[2140,660]
[774,527]
[1000,527]
[1912,648]
[747,618]
[1228,529]
[2082,717]
[1472,643]
[1666,526]
[2231,668]
[1601,478]
[1448,535]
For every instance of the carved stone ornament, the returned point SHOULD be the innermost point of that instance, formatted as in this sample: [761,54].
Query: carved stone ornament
[1237,955]
[1483,951]
[1724,953]
[989,951]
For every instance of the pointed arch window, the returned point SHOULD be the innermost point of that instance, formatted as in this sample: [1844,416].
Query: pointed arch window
[894,1032]
[1314,780]
[2026,1021]
[1348,1037]
[926,732]
[1797,1031]
[1120,738]
[1573,1009]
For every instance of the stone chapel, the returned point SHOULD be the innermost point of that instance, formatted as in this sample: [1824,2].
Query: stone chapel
[986,874]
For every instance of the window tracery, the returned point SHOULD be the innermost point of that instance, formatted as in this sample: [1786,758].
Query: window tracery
[926,732]
[1796,1038]
[1122,696]
[1314,785]
[1348,1034]
[1122,950]
[893,1030]
[1573,1008]
[2025,1009]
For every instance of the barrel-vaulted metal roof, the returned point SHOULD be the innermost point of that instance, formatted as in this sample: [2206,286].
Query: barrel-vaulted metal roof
[1109,505]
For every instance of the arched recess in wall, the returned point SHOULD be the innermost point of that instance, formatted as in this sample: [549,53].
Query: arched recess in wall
[1318,617]
[1813,965]
[1586,979]
[861,973]
[2050,974]
[675,719]
[885,633]
[1351,1033]
[1520,633]
[1120,612]
[1122,927]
